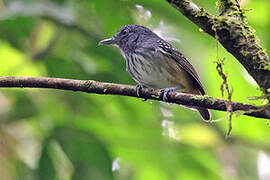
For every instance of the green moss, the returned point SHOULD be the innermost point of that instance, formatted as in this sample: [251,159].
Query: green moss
[198,97]
[202,13]
[255,58]
[220,19]
[154,96]
[261,50]
[239,113]
[244,53]
[267,68]
[205,97]
[227,6]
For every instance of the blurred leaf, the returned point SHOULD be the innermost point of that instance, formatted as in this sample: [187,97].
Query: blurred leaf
[24,107]
[17,36]
[16,63]
[199,136]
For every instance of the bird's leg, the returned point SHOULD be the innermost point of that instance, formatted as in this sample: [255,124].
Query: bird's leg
[167,90]
[138,89]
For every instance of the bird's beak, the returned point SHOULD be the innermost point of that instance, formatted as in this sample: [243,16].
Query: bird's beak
[109,41]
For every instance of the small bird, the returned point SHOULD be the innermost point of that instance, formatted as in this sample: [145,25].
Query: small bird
[154,63]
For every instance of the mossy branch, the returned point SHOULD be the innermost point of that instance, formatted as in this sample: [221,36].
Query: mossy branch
[231,29]
[90,86]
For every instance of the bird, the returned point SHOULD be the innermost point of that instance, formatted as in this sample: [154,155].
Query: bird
[154,63]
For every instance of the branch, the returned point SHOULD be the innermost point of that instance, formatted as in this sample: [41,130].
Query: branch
[231,29]
[90,86]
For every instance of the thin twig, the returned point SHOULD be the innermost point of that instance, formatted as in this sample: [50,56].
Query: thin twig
[225,86]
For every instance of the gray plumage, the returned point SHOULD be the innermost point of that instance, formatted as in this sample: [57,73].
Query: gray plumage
[154,63]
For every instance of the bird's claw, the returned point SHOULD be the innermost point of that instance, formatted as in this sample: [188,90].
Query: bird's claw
[166,91]
[138,89]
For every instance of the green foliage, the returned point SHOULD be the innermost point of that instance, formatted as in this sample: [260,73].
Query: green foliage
[53,134]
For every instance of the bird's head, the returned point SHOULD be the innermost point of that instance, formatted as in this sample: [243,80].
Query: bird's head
[128,36]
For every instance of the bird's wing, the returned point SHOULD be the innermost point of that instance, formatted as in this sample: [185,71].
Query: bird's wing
[174,54]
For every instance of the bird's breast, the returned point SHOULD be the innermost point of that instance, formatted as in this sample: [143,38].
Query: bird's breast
[152,70]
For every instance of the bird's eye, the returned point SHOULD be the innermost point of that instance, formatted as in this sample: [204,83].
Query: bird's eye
[124,32]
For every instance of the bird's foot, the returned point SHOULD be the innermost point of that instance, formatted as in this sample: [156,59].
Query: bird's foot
[167,90]
[138,90]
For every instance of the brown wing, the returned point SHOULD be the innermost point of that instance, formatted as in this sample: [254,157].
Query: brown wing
[174,54]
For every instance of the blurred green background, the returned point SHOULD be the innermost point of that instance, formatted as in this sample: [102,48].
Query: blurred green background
[53,134]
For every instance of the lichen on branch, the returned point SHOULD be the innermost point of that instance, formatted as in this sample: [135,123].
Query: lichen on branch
[231,29]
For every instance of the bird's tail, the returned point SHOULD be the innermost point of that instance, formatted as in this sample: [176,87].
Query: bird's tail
[205,113]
